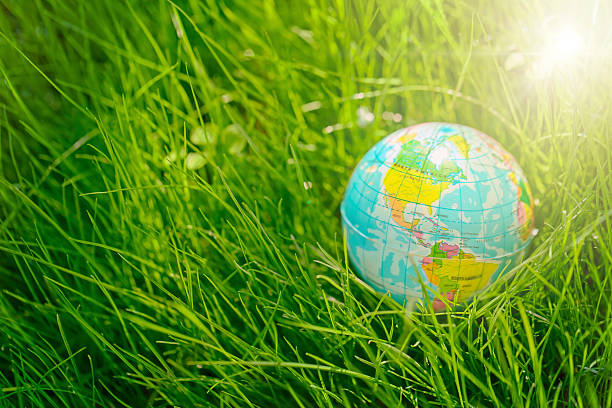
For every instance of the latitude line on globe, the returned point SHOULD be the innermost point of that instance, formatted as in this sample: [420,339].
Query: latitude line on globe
[429,233]
[451,209]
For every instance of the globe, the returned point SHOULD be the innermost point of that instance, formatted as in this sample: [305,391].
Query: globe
[438,209]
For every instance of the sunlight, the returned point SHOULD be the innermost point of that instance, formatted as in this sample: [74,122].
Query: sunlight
[561,52]
[566,45]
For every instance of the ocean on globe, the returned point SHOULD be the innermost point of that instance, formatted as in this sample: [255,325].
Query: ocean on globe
[439,206]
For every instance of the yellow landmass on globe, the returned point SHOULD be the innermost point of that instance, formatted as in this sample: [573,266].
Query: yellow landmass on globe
[524,206]
[463,276]
[405,185]
[461,144]
[525,229]
[405,138]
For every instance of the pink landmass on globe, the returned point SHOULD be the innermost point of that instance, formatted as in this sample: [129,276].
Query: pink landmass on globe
[451,250]
[439,305]
[522,217]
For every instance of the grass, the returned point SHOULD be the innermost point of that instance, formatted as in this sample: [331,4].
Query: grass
[170,178]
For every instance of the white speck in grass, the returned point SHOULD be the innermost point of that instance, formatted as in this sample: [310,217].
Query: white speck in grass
[359,95]
[305,35]
[177,26]
[534,232]
[310,106]
[171,157]
[536,201]
[307,185]
[203,135]
[161,185]
[198,136]
[564,212]
[595,237]
[397,117]
[227,98]
[235,137]
[364,116]
[514,60]
[248,53]
[194,161]
[199,365]
[309,147]
[337,126]
[290,160]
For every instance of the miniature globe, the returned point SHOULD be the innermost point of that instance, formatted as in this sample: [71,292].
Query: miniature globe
[438,208]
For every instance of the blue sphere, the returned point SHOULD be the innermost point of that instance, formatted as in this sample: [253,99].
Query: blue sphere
[438,206]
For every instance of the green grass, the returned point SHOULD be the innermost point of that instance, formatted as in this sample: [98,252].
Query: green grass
[138,268]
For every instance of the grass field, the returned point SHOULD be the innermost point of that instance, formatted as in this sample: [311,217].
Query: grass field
[170,181]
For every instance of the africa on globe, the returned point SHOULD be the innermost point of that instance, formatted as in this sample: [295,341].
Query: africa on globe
[438,206]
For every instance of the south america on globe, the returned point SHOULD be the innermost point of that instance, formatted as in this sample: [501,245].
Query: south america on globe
[438,206]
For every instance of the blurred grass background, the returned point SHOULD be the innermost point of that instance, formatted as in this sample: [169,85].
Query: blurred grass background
[170,177]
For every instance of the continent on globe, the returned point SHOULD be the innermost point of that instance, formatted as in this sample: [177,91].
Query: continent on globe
[461,144]
[524,206]
[411,227]
[455,271]
[413,176]
[404,186]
